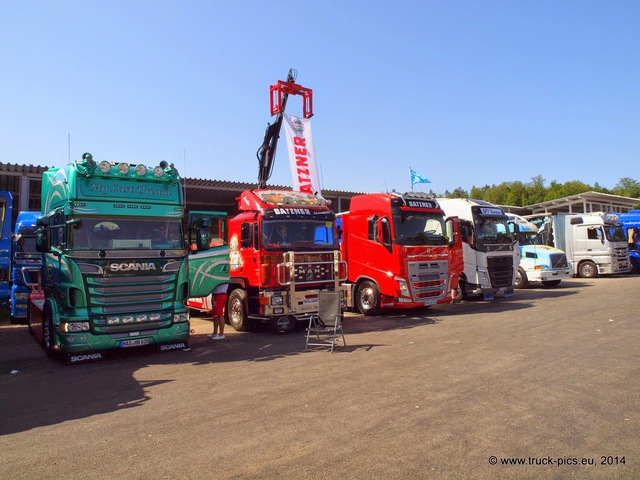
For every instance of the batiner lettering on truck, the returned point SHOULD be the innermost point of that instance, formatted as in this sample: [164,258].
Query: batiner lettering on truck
[289,211]
[302,164]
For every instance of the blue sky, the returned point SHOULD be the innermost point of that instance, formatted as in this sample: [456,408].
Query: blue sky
[465,92]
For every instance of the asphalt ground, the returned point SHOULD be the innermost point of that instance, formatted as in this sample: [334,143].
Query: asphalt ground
[544,384]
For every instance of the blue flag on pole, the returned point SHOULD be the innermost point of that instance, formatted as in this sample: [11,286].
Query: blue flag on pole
[417,178]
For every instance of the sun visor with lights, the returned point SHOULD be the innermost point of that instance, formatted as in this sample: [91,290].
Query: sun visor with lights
[258,199]
[163,172]
[417,200]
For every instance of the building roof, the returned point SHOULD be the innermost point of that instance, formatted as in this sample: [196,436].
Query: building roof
[586,202]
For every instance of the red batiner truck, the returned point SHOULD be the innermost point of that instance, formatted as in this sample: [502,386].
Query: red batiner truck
[283,245]
[283,250]
[400,250]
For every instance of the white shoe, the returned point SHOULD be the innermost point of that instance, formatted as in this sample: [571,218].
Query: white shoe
[217,337]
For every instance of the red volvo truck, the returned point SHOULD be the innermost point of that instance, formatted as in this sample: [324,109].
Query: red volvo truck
[401,251]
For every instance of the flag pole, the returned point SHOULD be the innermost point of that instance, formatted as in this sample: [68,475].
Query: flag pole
[410,179]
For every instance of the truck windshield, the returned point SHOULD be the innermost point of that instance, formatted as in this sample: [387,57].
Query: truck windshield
[26,245]
[615,234]
[419,229]
[298,234]
[492,230]
[125,233]
[529,238]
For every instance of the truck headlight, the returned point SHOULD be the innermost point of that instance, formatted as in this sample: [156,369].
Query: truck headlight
[73,327]
[180,317]
[277,300]
[485,280]
[403,288]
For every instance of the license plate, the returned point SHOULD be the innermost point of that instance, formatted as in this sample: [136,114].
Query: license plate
[138,342]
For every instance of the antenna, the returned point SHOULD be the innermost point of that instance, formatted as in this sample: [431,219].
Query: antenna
[184,175]
[69,146]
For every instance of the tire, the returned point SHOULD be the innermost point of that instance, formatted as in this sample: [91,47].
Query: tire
[521,279]
[47,333]
[588,269]
[368,298]
[237,310]
[551,283]
[634,267]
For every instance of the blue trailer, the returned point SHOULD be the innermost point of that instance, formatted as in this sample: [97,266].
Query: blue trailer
[6,211]
[631,225]
[26,265]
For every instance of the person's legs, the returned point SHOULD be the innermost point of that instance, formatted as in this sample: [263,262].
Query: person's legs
[219,326]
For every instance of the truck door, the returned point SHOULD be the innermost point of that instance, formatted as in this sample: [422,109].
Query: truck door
[589,240]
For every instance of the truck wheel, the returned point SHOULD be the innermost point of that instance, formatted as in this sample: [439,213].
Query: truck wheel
[521,279]
[551,283]
[47,333]
[634,267]
[588,269]
[368,298]
[237,310]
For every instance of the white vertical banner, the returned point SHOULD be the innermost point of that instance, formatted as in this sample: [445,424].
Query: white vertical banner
[302,154]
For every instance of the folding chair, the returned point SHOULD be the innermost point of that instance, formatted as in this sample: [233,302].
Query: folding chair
[325,328]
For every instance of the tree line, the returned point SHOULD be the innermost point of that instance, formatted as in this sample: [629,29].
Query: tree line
[520,194]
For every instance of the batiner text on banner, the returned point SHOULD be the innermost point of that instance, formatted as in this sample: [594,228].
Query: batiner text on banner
[302,156]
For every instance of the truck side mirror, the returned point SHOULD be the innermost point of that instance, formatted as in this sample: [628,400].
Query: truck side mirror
[453,229]
[384,233]
[203,239]
[42,240]
[516,232]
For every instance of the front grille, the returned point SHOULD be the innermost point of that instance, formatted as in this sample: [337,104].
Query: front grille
[309,268]
[125,296]
[558,260]
[621,253]
[500,271]
[428,279]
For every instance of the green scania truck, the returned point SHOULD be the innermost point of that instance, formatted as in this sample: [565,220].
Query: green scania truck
[115,269]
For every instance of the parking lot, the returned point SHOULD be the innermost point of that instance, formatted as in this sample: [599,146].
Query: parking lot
[541,385]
